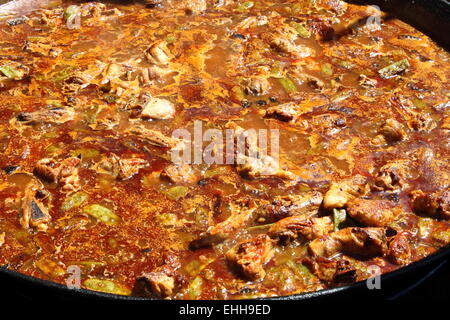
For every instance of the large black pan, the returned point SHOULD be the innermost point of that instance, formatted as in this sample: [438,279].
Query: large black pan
[429,16]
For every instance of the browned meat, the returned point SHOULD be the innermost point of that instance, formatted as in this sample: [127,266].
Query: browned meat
[287,112]
[156,138]
[120,168]
[399,250]
[262,166]
[306,204]
[34,213]
[158,53]
[331,270]
[241,213]
[64,172]
[51,114]
[373,213]
[156,108]
[160,284]
[435,204]
[341,192]
[42,49]
[179,173]
[299,226]
[392,131]
[392,175]
[256,85]
[250,256]
[365,242]
[283,39]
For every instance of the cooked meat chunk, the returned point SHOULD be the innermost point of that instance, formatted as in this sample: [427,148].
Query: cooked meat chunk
[42,49]
[392,175]
[256,85]
[121,168]
[372,213]
[64,172]
[283,40]
[34,213]
[436,204]
[249,257]
[399,250]
[299,226]
[161,285]
[179,173]
[337,271]
[287,112]
[156,138]
[158,53]
[156,108]
[51,114]
[392,131]
[112,72]
[364,242]
[306,204]
[254,167]
[341,192]
[241,213]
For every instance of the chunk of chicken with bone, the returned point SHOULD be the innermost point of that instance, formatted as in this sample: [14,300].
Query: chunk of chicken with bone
[156,108]
[436,204]
[179,173]
[399,251]
[34,213]
[392,131]
[364,242]
[241,213]
[295,227]
[160,284]
[342,192]
[156,138]
[257,85]
[64,172]
[373,213]
[50,114]
[249,257]
[158,53]
[122,169]
[305,204]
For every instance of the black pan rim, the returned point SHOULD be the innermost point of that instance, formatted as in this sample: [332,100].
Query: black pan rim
[435,257]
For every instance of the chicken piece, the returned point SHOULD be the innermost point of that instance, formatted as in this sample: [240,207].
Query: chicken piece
[283,40]
[34,213]
[392,175]
[331,270]
[64,172]
[256,85]
[112,72]
[392,131]
[305,204]
[399,249]
[364,242]
[42,49]
[156,108]
[158,53]
[122,169]
[249,257]
[287,112]
[179,174]
[255,167]
[341,192]
[156,138]
[435,204]
[299,226]
[422,122]
[241,213]
[51,114]
[373,213]
[160,284]
[154,72]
